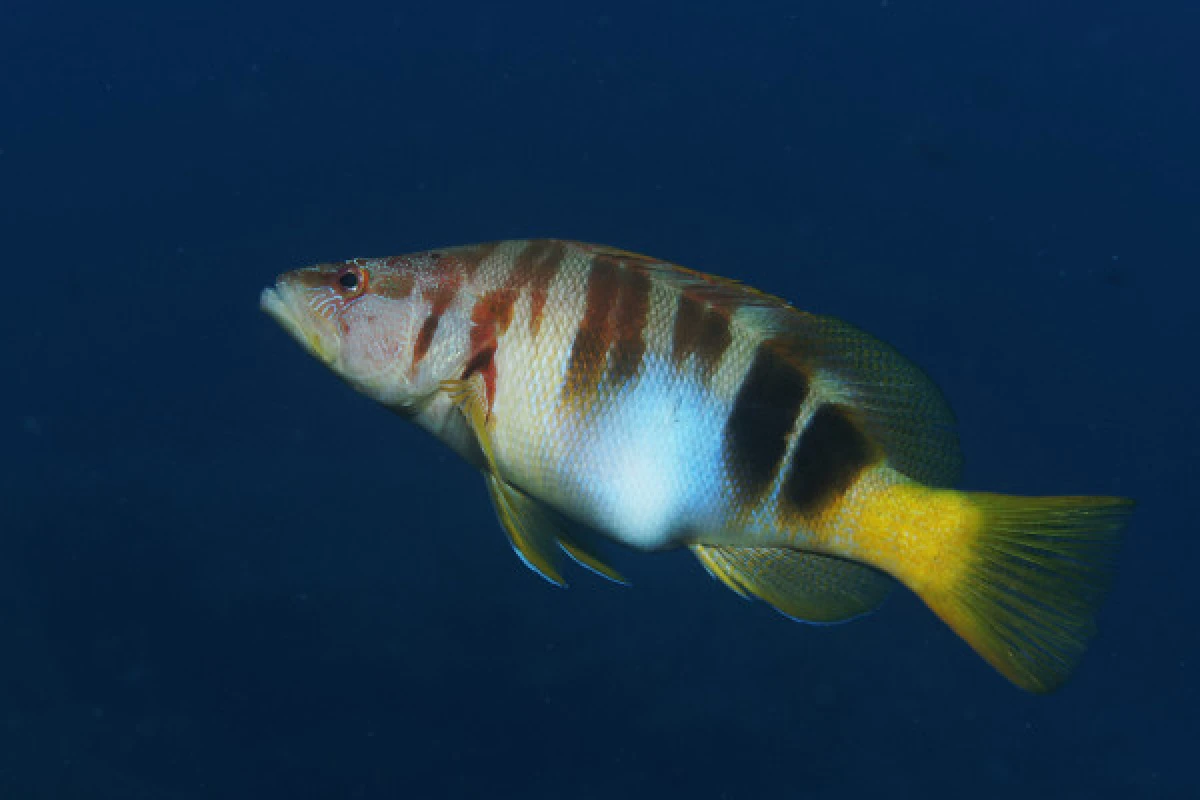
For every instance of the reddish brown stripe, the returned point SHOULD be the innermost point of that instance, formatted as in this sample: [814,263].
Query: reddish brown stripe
[633,308]
[490,318]
[440,299]
[534,269]
[493,312]
[588,351]
[425,338]
[702,330]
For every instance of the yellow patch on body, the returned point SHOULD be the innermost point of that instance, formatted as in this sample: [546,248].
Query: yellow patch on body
[917,534]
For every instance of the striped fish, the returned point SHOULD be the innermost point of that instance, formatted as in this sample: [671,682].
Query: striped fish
[802,461]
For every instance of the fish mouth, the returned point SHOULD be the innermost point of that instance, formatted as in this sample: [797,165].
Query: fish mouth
[279,303]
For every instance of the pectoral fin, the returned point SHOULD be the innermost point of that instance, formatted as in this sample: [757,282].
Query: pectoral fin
[470,397]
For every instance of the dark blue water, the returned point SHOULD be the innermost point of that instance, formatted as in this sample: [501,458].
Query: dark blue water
[223,574]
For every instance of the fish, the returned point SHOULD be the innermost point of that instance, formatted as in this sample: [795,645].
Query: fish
[608,396]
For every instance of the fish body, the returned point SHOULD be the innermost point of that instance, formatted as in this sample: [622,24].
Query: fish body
[802,461]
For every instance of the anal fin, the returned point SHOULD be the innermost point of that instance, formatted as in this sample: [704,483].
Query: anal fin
[804,586]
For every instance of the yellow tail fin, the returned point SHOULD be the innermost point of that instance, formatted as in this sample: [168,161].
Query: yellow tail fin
[1025,582]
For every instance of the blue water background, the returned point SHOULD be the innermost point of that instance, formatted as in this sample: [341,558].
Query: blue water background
[223,574]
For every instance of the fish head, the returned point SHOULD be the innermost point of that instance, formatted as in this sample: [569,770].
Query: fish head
[363,318]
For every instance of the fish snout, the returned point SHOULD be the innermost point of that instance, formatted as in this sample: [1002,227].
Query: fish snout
[284,302]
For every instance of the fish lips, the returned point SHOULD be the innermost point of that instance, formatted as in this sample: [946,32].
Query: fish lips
[281,304]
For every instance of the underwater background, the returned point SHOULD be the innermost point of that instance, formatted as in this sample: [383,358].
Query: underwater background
[224,574]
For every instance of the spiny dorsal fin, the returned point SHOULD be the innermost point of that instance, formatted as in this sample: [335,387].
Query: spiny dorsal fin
[804,586]
[724,294]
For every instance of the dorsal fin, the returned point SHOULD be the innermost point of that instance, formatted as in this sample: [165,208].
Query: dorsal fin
[725,294]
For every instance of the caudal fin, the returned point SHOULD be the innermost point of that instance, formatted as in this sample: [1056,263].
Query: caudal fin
[1033,571]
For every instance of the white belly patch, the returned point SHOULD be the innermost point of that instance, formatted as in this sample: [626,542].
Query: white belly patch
[651,461]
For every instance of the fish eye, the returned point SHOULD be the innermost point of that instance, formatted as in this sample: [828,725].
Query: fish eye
[350,279]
